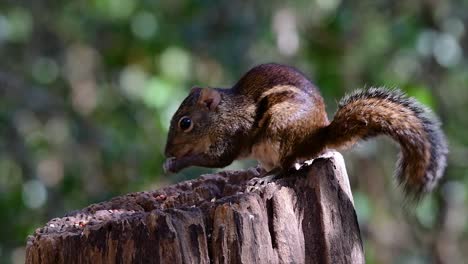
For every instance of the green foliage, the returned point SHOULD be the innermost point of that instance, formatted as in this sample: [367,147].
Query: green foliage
[87,89]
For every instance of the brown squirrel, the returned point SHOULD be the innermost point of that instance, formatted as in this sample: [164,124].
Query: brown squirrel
[275,115]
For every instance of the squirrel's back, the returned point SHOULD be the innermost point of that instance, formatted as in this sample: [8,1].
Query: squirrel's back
[266,76]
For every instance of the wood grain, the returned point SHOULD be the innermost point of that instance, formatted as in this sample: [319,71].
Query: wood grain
[307,217]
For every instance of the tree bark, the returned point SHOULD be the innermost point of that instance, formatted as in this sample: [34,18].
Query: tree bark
[307,217]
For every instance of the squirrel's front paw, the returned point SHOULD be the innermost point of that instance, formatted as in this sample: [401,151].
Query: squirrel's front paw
[263,180]
[257,183]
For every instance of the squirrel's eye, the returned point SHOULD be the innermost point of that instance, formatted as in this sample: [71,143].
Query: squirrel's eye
[185,123]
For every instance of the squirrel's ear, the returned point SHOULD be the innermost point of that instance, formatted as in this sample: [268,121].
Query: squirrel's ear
[195,89]
[209,98]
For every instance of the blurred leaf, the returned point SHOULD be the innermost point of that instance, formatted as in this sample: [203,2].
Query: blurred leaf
[115,9]
[19,24]
[422,94]
[133,62]
[174,64]
[363,207]
[425,212]
[157,92]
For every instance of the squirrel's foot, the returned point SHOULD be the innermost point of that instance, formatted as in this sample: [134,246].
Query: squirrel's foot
[263,180]
[297,166]
[277,173]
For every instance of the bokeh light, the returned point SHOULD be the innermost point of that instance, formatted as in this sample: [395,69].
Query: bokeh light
[34,194]
[87,91]
[144,25]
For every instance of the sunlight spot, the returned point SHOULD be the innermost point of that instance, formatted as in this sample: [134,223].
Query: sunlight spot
[10,174]
[328,5]
[34,194]
[175,64]
[454,26]
[4,28]
[45,70]
[20,24]
[50,171]
[80,67]
[447,51]
[425,42]
[144,25]
[132,81]
[287,38]
[57,131]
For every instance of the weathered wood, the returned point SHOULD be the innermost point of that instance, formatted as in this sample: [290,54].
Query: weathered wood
[305,218]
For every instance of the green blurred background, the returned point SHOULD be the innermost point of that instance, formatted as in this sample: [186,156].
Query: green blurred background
[87,89]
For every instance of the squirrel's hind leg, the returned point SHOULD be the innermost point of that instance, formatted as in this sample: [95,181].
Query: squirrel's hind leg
[272,175]
[279,173]
[263,180]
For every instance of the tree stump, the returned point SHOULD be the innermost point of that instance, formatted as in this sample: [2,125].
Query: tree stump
[307,217]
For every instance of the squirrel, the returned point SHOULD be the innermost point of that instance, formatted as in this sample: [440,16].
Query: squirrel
[275,115]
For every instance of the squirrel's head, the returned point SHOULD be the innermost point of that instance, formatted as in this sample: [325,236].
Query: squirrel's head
[189,132]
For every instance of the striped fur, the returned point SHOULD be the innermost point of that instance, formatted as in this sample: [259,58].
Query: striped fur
[368,113]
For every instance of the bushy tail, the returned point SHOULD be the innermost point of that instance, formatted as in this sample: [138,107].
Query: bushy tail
[376,111]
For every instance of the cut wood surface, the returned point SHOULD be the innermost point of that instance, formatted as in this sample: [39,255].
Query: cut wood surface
[307,217]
